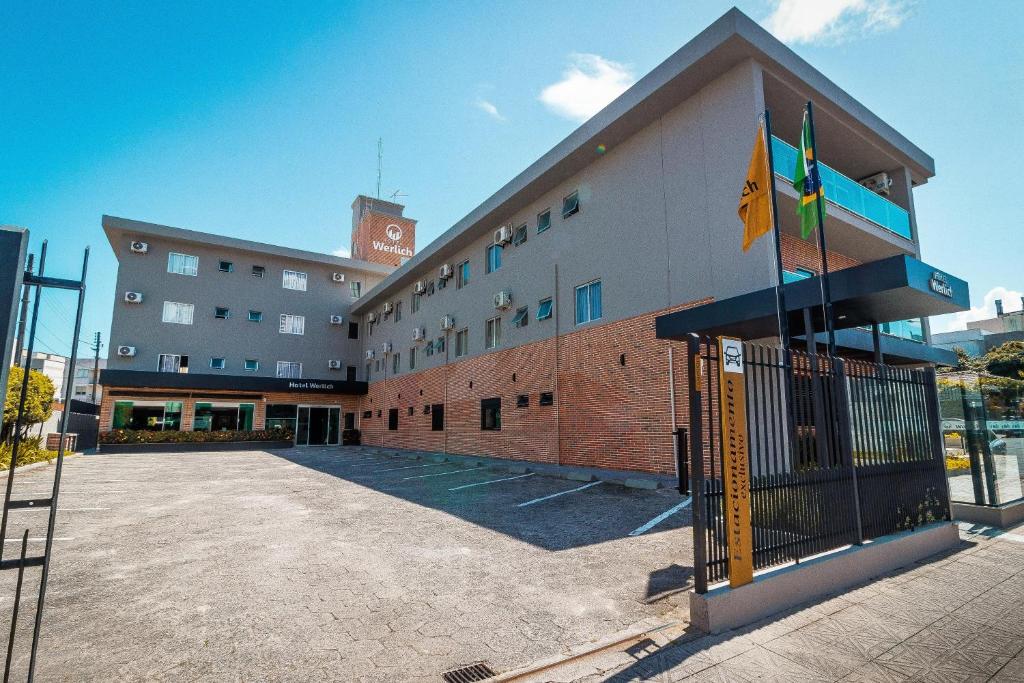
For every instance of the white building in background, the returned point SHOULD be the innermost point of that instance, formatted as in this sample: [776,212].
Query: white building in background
[53,366]
[86,375]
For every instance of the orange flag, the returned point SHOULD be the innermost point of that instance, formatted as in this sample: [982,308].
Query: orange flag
[755,208]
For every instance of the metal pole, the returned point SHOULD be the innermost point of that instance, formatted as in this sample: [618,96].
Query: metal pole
[700,561]
[95,365]
[826,289]
[876,342]
[23,318]
[17,604]
[57,472]
[21,403]
[779,294]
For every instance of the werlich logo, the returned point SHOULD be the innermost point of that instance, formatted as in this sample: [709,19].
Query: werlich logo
[392,249]
[394,232]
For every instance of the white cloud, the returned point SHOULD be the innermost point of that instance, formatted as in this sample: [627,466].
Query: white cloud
[342,251]
[588,84]
[489,107]
[958,321]
[834,21]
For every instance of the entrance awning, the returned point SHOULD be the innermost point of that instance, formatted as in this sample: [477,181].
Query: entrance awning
[887,290]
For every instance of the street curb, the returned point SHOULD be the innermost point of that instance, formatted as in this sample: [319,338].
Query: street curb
[33,466]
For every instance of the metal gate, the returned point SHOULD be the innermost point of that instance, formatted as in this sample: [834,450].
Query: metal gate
[840,451]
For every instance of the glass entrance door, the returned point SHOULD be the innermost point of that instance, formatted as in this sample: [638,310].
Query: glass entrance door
[317,426]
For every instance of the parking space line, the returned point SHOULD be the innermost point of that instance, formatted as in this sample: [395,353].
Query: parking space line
[60,509]
[661,518]
[560,493]
[411,467]
[441,474]
[492,481]
[39,539]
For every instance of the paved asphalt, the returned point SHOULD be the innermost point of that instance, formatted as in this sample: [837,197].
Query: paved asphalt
[334,564]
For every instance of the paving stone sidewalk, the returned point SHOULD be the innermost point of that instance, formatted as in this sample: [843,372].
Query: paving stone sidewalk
[954,617]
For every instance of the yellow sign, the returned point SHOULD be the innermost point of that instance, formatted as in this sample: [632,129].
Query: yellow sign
[735,460]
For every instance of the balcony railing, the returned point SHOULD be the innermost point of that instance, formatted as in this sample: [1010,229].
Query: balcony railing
[846,192]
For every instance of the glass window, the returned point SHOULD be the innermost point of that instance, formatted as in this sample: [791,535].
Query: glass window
[252,365]
[292,324]
[492,333]
[281,416]
[571,205]
[182,264]
[588,302]
[493,258]
[462,275]
[490,414]
[412,358]
[522,318]
[543,221]
[353,330]
[293,279]
[392,419]
[544,309]
[258,271]
[172,362]
[439,347]
[437,417]
[398,311]
[356,289]
[429,348]
[179,313]
[546,398]
[226,267]
[222,312]
[149,416]
[256,316]
[218,417]
[217,363]
[461,343]
[523,401]
[414,305]
[396,363]
[287,369]
[796,275]
[519,237]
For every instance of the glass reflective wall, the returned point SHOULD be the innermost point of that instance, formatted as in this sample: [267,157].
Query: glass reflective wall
[148,416]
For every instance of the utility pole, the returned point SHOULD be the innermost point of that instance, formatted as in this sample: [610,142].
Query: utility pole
[96,344]
[19,346]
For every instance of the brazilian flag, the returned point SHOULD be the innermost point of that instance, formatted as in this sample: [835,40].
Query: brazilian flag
[808,183]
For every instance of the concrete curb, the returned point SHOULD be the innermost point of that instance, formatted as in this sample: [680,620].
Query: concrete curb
[34,466]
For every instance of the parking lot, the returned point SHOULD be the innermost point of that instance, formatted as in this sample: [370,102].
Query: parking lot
[338,564]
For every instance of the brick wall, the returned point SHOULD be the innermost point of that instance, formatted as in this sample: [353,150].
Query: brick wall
[373,226]
[605,414]
[798,253]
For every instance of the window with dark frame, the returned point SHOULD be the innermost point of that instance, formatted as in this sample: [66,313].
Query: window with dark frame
[412,358]
[255,316]
[523,401]
[522,317]
[392,419]
[492,333]
[439,347]
[412,411]
[222,312]
[543,221]
[461,342]
[259,271]
[428,349]
[571,205]
[544,307]
[462,275]
[588,302]
[217,363]
[367,414]
[226,267]
[547,398]
[414,304]
[520,235]
[350,373]
[437,417]
[353,330]
[490,414]
[493,258]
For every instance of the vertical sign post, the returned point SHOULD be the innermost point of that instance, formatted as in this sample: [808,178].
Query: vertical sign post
[735,460]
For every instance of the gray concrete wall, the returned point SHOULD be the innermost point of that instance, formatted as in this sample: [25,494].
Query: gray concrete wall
[236,338]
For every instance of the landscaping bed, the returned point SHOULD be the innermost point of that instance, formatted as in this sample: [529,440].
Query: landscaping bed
[138,441]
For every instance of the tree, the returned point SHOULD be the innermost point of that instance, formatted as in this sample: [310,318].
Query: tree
[38,401]
[1006,360]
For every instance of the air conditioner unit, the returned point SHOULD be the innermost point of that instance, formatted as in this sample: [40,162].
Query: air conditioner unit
[878,183]
[503,299]
[388,307]
[447,323]
[140,247]
[126,351]
[421,287]
[369,354]
[385,348]
[337,320]
[503,235]
[446,271]
[334,365]
[338,277]
[133,297]
[371,317]
[419,334]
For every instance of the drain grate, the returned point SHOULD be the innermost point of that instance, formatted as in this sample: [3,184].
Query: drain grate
[467,674]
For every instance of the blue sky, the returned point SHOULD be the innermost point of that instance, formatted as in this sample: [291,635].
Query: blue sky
[261,122]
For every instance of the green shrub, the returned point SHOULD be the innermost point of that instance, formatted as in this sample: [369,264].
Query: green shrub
[31,450]
[140,436]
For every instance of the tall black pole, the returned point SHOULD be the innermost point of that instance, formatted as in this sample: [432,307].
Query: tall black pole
[826,290]
[96,344]
[780,296]
[23,318]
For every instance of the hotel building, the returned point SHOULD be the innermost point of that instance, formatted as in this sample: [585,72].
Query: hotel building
[527,329]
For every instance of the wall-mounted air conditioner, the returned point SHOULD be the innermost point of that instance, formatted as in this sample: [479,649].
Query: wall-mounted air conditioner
[448,323]
[421,287]
[338,277]
[140,247]
[369,354]
[419,334]
[388,307]
[445,272]
[503,299]
[371,317]
[879,183]
[133,297]
[334,365]
[385,348]
[337,320]
[126,351]
[503,235]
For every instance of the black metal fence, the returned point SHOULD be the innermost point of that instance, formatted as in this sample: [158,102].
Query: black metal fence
[840,451]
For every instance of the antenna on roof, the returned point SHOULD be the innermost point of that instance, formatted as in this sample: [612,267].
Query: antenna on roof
[380,162]
[396,194]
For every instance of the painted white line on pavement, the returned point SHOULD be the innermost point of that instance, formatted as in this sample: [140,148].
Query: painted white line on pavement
[492,481]
[40,539]
[411,467]
[441,474]
[62,491]
[660,518]
[61,509]
[560,493]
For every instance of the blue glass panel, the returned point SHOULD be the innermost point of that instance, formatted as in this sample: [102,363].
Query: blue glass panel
[595,300]
[581,305]
[846,192]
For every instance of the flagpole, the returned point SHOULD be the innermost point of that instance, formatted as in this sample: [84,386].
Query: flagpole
[780,296]
[826,290]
